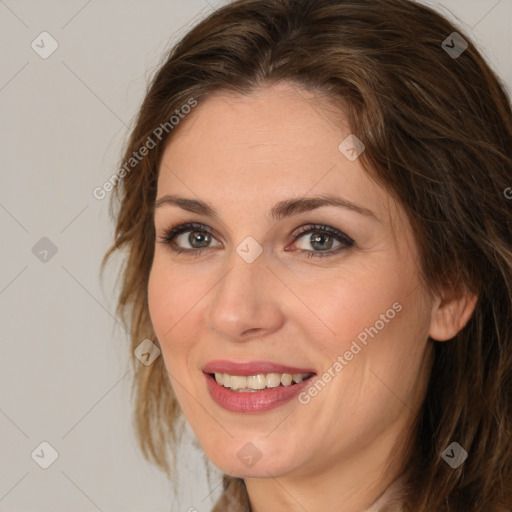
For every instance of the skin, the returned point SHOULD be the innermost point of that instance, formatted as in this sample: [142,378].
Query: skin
[243,154]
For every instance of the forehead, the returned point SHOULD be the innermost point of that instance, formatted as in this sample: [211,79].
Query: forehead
[257,149]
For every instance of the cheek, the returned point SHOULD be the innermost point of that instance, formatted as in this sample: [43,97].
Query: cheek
[373,316]
[382,338]
[160,300]
[353,300]
[170,300]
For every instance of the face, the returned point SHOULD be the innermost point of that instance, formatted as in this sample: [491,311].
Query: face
[331,290]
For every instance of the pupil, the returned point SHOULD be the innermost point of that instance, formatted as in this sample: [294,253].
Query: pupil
[198,236]
[319,237]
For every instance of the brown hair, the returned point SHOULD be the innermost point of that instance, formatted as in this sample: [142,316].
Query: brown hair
[438,136]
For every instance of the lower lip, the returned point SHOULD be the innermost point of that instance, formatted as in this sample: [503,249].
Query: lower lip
[259,401]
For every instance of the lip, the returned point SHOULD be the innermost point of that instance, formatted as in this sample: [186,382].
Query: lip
[259,401]
[251,368]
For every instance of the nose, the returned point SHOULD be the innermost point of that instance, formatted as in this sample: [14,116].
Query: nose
[247,301]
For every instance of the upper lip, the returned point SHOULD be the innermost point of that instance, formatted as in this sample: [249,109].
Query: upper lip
[251,368]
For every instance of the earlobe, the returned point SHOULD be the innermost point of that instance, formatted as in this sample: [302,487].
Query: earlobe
[449,317]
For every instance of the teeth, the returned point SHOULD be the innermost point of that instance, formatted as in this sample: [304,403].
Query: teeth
[238,382]
[273,380]
[257,382]
[286,379]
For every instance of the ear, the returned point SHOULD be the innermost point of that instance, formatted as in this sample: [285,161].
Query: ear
[450,315]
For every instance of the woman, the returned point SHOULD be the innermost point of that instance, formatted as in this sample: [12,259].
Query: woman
[313,204]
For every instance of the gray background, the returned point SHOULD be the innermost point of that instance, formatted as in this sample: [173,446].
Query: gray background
[65,376]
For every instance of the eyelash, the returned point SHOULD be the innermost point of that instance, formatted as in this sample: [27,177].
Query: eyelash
[171,233]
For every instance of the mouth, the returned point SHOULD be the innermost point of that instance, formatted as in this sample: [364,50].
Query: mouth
[258,382]
[247,388]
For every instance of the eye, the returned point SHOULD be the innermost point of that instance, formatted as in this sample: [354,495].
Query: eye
[199,237]
[323,240]
[196,235]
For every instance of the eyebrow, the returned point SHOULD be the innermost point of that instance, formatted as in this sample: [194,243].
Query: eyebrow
[279,211]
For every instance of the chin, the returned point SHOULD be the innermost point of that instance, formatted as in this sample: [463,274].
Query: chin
[246,460]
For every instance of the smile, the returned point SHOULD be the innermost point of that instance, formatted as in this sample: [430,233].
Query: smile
[248,400]
[255,383]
